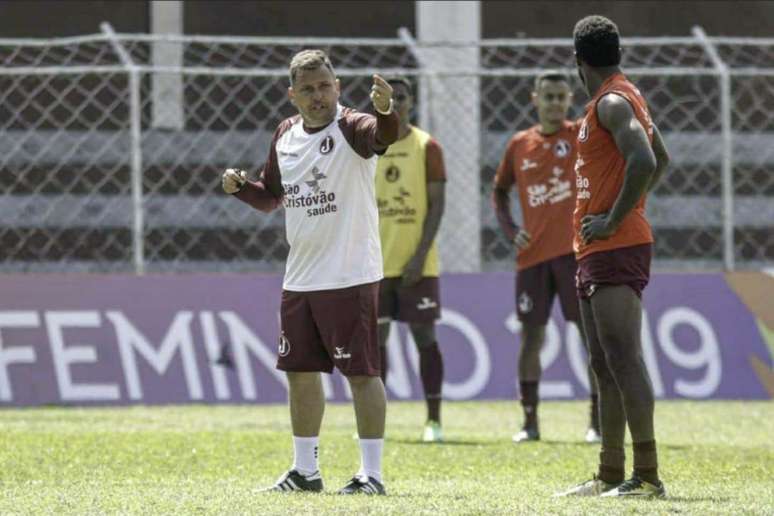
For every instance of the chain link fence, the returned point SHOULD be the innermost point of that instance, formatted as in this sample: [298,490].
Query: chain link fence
[112,145]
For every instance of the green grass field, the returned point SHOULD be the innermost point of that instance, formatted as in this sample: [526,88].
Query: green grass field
[716,458]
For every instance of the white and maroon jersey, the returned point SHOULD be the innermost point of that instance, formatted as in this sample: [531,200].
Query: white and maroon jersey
[325,177]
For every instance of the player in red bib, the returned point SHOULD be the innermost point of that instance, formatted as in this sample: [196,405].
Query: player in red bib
[539,161]
[620,157]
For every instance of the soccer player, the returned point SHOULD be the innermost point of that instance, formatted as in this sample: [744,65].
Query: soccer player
[321,168]
[410,181]
[539,161]
[621,155]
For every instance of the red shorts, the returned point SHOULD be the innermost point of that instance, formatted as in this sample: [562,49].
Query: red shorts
[324,328]
[419,303]
[623,266]
[536,287]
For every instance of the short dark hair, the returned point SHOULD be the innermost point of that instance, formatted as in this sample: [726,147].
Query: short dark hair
[551,75]
[597,41]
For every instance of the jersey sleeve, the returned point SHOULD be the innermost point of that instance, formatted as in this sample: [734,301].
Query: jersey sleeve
[434,166]
[266,193]
[368,134]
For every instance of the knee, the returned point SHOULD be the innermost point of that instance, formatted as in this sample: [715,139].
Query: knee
[424,335]
[360,382]
[599,366]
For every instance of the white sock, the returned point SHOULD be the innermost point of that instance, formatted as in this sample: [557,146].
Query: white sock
[371,458]
[305,455]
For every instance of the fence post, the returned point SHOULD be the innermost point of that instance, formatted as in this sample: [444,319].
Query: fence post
[135,120]
[727,146]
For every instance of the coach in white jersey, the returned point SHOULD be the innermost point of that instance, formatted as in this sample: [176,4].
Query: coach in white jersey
[321,168]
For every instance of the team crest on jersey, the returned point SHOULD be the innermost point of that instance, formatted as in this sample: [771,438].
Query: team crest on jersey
[392,174]
[326,145]
[562,148]
[583,134]
[284,345]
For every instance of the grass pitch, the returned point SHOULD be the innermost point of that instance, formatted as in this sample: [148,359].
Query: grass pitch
[716,458]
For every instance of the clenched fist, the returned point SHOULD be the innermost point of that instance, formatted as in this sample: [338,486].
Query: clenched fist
[381,95]
[233,180]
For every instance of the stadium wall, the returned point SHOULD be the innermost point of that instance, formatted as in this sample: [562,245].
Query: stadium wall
[120,339]
[383,18]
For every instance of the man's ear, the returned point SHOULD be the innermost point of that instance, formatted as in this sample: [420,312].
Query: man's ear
[291,95]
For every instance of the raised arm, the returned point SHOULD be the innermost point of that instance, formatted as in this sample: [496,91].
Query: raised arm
[617,116]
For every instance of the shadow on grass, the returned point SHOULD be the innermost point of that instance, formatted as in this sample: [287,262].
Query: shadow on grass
[447,442]
[694,499]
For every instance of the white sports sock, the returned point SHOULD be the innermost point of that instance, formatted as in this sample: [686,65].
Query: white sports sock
[305,455]
[371,458]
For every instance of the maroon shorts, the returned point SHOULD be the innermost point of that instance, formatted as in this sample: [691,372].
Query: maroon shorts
[324,328]
[536,287]
[623,266]
[419,303]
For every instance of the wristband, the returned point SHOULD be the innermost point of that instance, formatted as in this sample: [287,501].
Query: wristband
[389,109]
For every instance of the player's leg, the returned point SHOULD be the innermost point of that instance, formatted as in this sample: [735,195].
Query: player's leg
[431,374]
[534,296]
[302,356]
[388,306]
[611,409]
[564,269]
[420,306]
[347,319]
[618,315]
[612,418]
[529,369]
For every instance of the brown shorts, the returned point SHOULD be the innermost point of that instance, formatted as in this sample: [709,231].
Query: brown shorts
[418,303]
[622,266]
[536,287]
[324,328]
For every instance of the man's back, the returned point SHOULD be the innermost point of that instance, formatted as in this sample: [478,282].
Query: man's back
[600,172]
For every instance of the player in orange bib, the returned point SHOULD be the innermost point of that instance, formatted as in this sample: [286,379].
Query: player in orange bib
[539,161]
[621,155]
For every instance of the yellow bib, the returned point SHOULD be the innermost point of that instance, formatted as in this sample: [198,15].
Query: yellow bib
[401,193]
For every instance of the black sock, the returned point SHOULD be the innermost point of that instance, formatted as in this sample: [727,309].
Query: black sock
[431,372]
[529,402]
[611,465]
[646,461]
[594,413]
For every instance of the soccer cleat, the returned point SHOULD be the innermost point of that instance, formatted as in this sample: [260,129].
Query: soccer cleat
[295,481]
[526,434]
[637,487]
[592,436]
[432,432]
[361,484]
[593,487]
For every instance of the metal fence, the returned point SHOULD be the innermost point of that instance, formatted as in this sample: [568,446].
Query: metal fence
[112,145]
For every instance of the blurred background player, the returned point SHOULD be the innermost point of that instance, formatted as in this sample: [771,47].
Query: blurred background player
[410,182]
[540,161]
[321,168]
[620,157]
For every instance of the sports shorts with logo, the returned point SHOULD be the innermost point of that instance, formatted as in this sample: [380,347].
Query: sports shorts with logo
[419,303]
[326,328]
[622,266]
[536,287]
